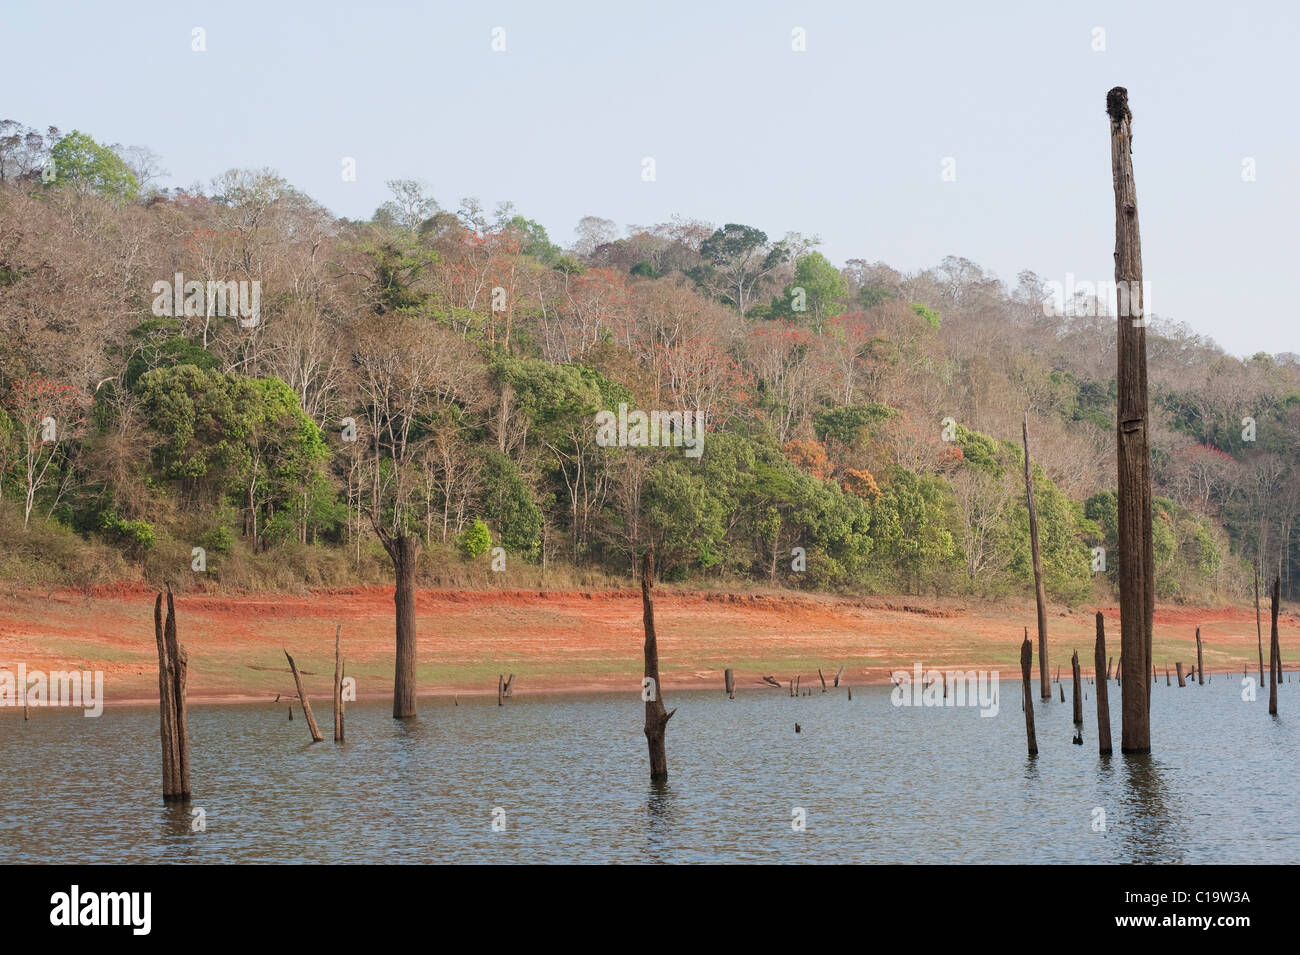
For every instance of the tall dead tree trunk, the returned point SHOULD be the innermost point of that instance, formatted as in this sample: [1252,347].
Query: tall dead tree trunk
[1040,595]
[302,697]
[1078,689]
[1259,631]
[1273,650]
[173,673]
[338,686]
[1178,667]
[1136,550]
[656,714]
[404,551]
[729,683]
[1103,704]
[1027,683]
[1200,660]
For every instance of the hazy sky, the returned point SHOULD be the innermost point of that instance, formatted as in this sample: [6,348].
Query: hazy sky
[846,140]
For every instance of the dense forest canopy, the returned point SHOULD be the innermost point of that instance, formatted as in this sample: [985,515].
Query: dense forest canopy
[440,373]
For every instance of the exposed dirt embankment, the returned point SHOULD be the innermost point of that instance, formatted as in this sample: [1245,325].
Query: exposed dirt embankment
[557,641]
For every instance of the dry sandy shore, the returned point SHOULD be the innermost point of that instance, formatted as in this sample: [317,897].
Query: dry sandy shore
[570,642]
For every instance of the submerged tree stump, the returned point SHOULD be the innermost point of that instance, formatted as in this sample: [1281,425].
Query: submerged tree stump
[1078,689]
[338,686]
[1040,595]
[306,707]
[1179,667]
[1259,632]
[1133,441]
[729,680]
[1026,680]
[173,673]
[656,715]
[1273,650]
[1103,704]
[1200,660]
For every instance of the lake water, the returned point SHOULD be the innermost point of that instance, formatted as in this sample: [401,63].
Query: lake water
[877,783]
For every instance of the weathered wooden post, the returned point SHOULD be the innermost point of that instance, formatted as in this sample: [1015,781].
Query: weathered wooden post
[729,678]
[1273,650]
[1179,668]
[1040,595]
[1103,704]
[306,707]
[1026,680]
[1078,689]
[1200,660]
[656,715]
[338,686]
[173,673]
[1136,550]
[1259,631]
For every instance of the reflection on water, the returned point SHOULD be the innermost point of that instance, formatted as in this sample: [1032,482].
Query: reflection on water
[569,775]
[1153,833]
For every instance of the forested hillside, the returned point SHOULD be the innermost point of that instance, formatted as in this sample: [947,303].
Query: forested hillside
[438,370]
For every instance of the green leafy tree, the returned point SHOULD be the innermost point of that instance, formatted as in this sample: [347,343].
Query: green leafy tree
[81,162]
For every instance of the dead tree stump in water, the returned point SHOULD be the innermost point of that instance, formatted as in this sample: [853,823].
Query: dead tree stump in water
[1026,680]
[306,707]
[838,674]
[729,679]
[501,689]
[1179,668]
[1200,660]
[1040,595]
[173,672]
[1167,683]
[1108,663]
[1259,632]
[1273,650]
[1078,689]
[338,686]
[1103,704]
[1133,440]
[822,677]
[656,715]
[1061,687]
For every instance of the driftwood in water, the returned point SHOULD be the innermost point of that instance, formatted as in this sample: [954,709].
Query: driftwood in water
[1179,667]
[1026,681]
[772,681]
[656,715]
[1040,595]
[1273,650]
[1200,660]
[173,670]
[338,686]
[1078,689]
[729,680]
[1103,705]
[1137,598]
[306,707]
